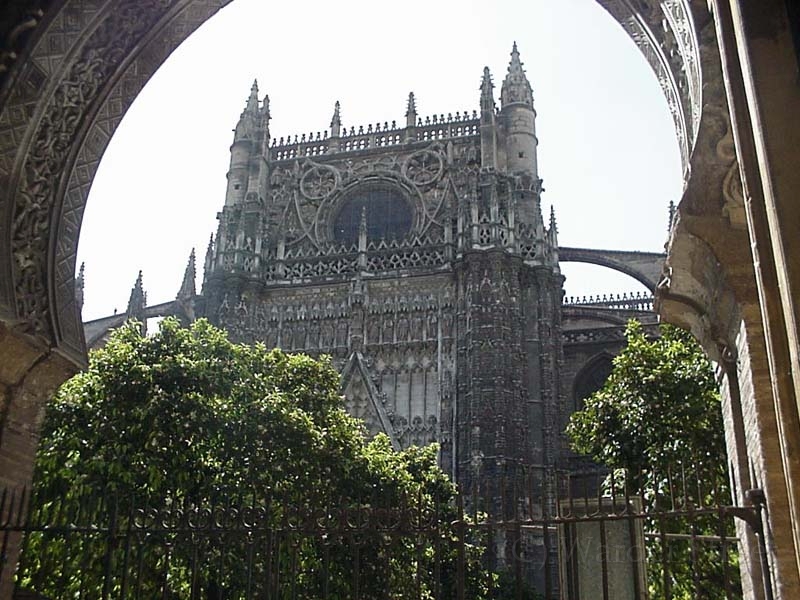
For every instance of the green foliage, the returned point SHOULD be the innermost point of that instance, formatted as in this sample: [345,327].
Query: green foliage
[659,406]
[185,418]
[658,421]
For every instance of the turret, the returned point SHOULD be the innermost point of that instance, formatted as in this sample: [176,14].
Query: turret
[488,127]
[519,118]
[249,151]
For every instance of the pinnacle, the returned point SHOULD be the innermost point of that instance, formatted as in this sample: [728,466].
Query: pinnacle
[252,101]
[486,83]
[487,91]
[412,104]
[516,87]
[138,299]
[189,275]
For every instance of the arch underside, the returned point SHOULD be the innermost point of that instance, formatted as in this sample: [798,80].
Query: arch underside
[644,267]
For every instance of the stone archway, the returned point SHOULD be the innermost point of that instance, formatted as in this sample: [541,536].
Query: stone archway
[72,69]
[69,69]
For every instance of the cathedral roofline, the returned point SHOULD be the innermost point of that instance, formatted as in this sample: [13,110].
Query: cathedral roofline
[378,136]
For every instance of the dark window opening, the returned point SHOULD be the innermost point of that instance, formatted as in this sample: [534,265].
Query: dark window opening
[591,379]
[387,213]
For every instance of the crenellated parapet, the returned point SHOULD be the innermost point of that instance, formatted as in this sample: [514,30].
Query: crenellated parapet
[377,136]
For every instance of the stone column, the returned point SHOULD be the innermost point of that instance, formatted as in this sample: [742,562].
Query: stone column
[29,375]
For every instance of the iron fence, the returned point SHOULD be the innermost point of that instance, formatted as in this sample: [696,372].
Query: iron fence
[573,535]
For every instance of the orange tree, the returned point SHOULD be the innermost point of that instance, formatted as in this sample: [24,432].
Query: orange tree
[659,419]
[185,420]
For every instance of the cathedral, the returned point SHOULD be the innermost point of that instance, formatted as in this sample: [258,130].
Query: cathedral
[416,255]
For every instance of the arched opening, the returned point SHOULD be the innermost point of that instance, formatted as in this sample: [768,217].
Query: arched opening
[591,378]
[89,177]
[192,113]
[591,283]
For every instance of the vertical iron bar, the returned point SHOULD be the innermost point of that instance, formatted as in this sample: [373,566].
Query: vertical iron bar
[356,568]
[165,584]
[111,539]
[326,563]
[249,582]
[193,584]
[127,551]
[758,500]
[84,568]
[141,539]
[437,552]
[664,558]
[695,560]
[293,569]
[547,515]
[604,558]
[268,552]
[637,559]
[490,542]
[724,553]
[460,550]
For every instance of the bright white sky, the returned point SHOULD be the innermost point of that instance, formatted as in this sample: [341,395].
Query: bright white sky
[607,152]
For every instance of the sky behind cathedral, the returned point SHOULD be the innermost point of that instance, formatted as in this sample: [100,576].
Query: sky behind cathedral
[607,152]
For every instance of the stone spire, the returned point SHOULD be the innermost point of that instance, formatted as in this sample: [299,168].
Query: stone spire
[411,111]
[487,91]
[185,298]
[552,231]
[252,101]
[137,304]
[336,121]
[487,127]
[79,288]
[516,87]
[208,265]
[187,290]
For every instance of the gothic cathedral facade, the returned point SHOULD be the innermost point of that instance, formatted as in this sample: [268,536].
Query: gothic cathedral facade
[417,257]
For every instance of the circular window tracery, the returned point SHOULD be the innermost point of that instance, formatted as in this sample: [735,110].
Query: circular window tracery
[388,214]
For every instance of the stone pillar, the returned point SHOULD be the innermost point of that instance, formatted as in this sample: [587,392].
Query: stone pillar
[29,375]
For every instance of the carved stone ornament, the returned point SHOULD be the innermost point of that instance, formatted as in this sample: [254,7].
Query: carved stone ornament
[53,140]
[423,167]
[319,182]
